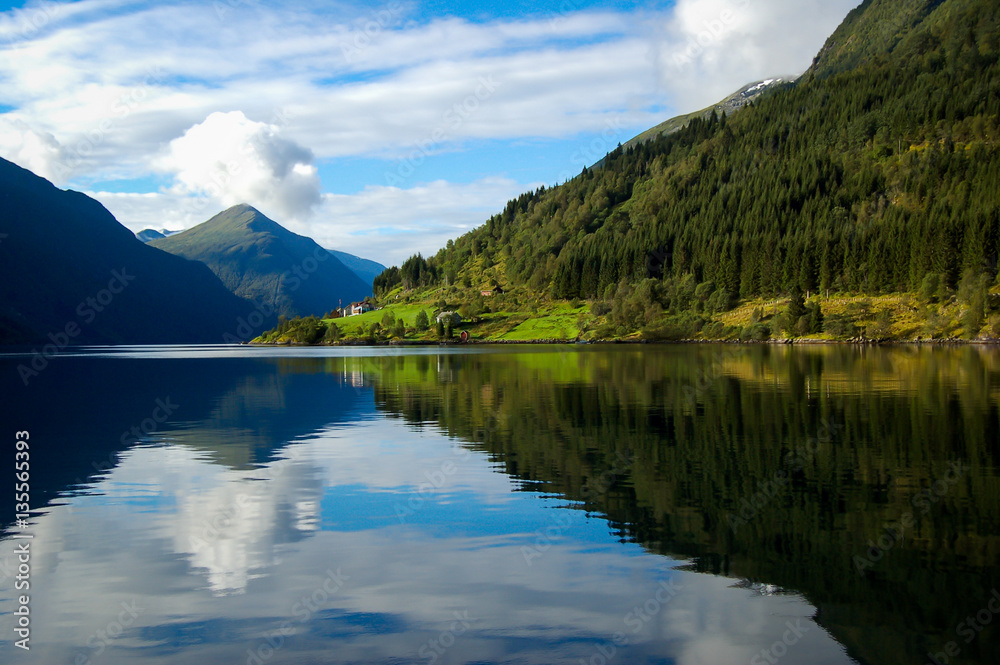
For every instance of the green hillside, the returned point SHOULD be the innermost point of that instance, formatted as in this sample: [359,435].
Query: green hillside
[874,30]
[258,259]
[877,174]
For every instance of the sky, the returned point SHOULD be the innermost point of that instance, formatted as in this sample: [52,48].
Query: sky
[379,129]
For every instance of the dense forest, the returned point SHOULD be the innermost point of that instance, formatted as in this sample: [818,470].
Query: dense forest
[878,171]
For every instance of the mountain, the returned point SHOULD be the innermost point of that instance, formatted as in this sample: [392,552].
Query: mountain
[729,105]
[876,172]
[152,234]
[366,269]
[258,259]
[873,31]
[72,274]
[149,234]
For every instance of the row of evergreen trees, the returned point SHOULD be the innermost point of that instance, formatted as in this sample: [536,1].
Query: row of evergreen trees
[864,180]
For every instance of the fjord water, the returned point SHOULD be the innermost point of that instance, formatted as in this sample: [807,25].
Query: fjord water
[632,504]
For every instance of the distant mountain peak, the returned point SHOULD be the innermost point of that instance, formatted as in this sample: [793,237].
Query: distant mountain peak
[246,216]
[242,211]
[147,235]
[259,259]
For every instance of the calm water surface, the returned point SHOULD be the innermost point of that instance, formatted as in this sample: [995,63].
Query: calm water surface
[651,504]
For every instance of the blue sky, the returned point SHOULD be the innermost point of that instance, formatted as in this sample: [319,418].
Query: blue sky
[380,129]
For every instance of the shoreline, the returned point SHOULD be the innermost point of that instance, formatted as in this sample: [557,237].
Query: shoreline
[773,342]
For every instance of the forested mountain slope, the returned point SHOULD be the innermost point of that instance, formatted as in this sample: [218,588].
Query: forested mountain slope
[878,167]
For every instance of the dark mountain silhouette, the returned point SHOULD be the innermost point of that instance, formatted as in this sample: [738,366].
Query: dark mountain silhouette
[74,275]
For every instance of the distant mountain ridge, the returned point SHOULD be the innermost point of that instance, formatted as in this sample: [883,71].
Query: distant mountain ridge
[152,234]
[729,105]
[260,260]
[72,274]
[366,269]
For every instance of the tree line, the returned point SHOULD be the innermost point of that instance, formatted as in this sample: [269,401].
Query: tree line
[870,180]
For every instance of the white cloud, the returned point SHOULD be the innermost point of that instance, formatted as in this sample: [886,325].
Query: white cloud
[128,90]
[706,49]
[389,224]
[237,160]
[35,150]
[375,82]
[555,77]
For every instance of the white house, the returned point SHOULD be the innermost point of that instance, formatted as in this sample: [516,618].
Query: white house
[360,308]
[445,317]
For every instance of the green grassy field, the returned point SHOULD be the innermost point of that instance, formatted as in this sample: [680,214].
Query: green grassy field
[558,321]
[524,319]
[910,318]
[358,326]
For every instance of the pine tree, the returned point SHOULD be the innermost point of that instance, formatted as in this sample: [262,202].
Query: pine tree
[332,333]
